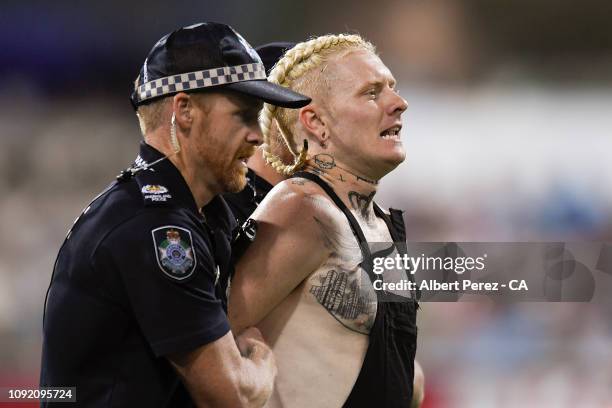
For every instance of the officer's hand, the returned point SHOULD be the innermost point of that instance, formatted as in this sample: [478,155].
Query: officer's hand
[252,346]
[248,339]
[233,371]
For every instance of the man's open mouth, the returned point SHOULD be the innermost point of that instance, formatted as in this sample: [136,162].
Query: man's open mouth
[392,133]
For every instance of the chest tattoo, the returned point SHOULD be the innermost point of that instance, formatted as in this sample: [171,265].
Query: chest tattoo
[341,285]
[348,296]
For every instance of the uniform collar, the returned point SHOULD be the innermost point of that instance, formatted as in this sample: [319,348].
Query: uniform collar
[166,174]
[260,184]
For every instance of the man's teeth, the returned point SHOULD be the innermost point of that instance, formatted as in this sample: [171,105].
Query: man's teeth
[390,134]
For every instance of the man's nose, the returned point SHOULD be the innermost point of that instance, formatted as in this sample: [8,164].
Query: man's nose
[398,104]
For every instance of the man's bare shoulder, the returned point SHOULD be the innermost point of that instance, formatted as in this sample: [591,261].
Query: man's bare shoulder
[295,199]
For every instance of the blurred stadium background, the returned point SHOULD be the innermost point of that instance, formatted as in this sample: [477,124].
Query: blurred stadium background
[508,133]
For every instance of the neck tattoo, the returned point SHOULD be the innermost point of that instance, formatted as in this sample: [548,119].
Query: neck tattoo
[361,202]
[325,161]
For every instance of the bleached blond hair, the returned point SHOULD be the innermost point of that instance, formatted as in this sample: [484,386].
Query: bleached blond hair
[297,70]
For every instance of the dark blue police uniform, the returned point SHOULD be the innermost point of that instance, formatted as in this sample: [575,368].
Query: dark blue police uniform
[142,273]
[136,280]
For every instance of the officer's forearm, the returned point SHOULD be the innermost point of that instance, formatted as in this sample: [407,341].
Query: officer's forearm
[219,375]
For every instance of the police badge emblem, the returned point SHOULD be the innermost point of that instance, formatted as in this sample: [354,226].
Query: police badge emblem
[174,251]
[155,193]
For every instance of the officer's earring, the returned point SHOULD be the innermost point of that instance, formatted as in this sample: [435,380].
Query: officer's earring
[173,139]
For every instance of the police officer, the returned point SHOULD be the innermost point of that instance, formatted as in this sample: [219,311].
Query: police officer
[134,315]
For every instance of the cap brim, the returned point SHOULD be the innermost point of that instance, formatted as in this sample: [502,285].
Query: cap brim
[270,93]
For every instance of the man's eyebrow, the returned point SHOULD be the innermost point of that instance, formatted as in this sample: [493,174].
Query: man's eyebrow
[390,79]
[378,83]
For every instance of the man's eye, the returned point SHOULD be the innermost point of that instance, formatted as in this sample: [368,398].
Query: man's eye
[372,93]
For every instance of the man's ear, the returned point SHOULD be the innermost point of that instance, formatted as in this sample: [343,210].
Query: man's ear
[182,106]
[315,125]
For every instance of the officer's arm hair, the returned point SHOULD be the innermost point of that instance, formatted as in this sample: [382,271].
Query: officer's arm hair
[302,69]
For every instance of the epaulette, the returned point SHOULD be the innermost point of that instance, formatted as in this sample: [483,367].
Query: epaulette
[153,193]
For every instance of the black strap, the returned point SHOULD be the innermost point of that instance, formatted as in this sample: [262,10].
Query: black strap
[385,378]
[395,225]
[395,222]
[397,231]
[367,263]
[363,243]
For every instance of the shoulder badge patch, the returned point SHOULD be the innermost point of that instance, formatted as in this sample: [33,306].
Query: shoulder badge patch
[155,193]
[174,251]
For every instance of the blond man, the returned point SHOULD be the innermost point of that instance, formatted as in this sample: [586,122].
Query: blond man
[306,281]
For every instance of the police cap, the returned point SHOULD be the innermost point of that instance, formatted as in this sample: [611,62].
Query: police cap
[208,55]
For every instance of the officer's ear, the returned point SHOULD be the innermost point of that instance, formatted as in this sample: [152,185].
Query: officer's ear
[182,106]
[313,122]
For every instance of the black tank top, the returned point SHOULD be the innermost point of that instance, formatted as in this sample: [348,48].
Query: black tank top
[387,373]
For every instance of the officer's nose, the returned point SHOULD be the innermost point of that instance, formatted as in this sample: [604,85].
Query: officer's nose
[254,136]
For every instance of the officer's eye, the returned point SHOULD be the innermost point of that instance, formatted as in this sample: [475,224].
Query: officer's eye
[372,93]
[248,116]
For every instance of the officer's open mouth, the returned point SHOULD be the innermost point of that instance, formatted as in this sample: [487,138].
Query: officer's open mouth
[244,156]
[392,132]
[243,160]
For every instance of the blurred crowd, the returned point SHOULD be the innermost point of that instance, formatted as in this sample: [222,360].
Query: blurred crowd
[508,139]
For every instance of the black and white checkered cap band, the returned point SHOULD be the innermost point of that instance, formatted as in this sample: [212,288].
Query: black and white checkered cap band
[200,79]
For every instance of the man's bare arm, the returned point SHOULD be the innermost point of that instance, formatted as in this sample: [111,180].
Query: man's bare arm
[227,372]
[418,387]
[288,248]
